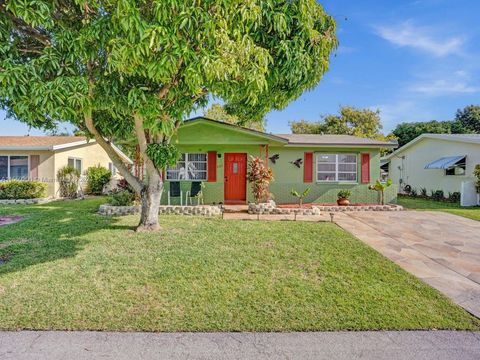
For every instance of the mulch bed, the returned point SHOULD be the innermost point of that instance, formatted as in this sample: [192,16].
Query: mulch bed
[6,220]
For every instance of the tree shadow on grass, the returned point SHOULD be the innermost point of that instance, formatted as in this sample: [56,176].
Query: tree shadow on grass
[50,232]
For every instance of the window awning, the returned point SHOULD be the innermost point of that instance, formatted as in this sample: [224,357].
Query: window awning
[446,162]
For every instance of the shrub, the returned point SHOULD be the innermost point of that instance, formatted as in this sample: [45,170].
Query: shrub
[68,179]
[423,192]
[260,177]
[476,173]
[97,177]
[123,184]
[121,198]
[454,197]
[413,192]
[22,189]
[380,187]
[438,195]
[299,196]
[345,194]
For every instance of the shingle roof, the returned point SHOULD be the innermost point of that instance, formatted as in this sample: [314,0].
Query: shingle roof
[456,137]
[330,140]
[467,138]
[37,142]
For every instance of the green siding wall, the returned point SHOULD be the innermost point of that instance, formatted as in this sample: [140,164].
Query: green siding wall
[288,176]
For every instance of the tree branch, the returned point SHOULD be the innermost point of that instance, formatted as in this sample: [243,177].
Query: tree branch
[117,161]
[134,182]
[142,143]
[166,88]
[25,28]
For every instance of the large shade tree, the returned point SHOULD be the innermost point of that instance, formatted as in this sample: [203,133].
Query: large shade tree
[131,68]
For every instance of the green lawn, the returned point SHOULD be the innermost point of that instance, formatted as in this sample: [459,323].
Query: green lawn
[425,204]
[72,269]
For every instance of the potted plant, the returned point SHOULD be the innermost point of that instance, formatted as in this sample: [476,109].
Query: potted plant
[343,196]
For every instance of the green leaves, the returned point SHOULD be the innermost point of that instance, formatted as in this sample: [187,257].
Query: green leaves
[163,155]
[159,58]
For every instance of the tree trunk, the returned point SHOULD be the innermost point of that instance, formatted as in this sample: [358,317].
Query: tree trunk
[150,196]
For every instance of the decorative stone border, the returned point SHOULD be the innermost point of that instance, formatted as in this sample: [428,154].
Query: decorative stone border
[26,201]
[271,208]
[110,210]
[202,210]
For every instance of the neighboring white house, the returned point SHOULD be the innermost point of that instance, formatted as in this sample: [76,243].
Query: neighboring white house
[434,162]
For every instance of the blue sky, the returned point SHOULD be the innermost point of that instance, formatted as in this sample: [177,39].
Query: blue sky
[414,60]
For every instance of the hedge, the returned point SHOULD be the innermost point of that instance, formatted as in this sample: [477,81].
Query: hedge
[22,189]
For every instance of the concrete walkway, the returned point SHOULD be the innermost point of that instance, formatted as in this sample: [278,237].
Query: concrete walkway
[441,249]
[423,345]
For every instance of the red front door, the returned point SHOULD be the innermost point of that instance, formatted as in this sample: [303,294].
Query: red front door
[235,179]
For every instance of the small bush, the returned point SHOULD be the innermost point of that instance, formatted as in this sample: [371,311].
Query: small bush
[123,184]
[22,189]
[423,192]
[438,195]
[121,198]
[454,197]
[68,179]
[345,194]
[260,176]
[476,173]
[413,192]
[97,177]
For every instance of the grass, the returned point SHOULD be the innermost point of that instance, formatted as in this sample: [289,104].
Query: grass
[426,204]
[70,268]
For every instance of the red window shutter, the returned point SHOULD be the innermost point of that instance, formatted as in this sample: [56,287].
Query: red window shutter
[34,162]
[365,168]
[308,167]
[212,166]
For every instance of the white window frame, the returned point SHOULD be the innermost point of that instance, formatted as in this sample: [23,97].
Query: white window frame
[188,176]
[9,164]
[75,162]
[461,165]
[336,171]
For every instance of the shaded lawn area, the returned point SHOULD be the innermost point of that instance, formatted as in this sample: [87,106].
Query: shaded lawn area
[425,204]
[70,268]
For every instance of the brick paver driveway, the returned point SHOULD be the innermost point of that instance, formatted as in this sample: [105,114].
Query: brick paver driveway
[441,249]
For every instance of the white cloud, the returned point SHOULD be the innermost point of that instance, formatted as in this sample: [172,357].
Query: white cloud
[444,87]
[406,34]
[458,82]
[401,111]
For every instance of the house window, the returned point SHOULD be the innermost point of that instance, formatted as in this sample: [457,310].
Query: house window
[18,167]
[75,163]
[13,167]
[458,169]
[3,167]
[112,168]
[337,167]
[190,166]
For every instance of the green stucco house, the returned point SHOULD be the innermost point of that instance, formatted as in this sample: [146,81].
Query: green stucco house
[217,154]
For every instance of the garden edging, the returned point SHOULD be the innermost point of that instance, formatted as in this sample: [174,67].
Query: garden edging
[25,201]
[271,209]
[202,210]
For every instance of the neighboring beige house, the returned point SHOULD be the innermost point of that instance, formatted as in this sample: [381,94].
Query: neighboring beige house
[435,162]
[40,157]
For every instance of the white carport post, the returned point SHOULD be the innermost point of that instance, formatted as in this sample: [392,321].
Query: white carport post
[468,194]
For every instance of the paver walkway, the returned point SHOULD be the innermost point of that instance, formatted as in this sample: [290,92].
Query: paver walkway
[397,345]
[441,249]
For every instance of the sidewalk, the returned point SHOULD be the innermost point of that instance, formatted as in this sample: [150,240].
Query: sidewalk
[425,345]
